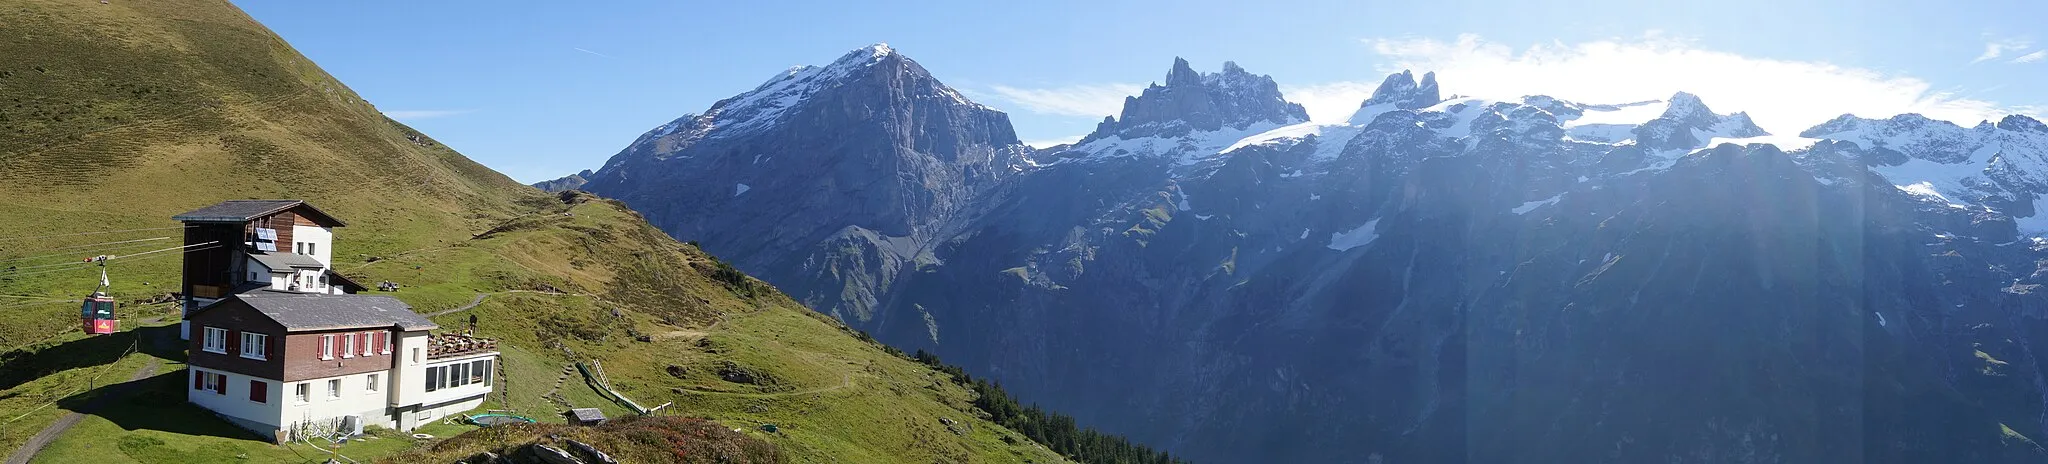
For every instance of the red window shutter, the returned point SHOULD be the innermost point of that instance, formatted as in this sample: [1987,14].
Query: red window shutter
[259,391]
[222,383]
[198,380]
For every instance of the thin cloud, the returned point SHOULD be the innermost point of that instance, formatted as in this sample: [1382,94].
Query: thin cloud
[590,52]
[1785,97]
[2037,55]
[1330,102]
[1999,47]
[1051,142]
[1087,100]
[414,115]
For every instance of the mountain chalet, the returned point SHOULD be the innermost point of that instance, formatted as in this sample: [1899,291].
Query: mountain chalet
[280,344]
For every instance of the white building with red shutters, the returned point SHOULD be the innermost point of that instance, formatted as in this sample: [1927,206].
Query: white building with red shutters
[286,360]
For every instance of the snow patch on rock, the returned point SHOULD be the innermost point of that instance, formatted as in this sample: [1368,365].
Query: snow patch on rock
[1355,238]
[1531,206]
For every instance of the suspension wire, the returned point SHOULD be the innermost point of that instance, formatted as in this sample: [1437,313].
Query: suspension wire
[88,260]
[131,242]
[88,264]
[2,239]
[43,266]
[52,271]
[175,248]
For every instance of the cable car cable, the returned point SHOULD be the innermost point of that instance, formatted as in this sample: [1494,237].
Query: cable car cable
[74,253]
[99,232]
[88,264]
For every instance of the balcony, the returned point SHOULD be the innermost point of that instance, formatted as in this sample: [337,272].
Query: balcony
[448,345]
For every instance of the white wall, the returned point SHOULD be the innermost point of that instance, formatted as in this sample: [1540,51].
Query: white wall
[455,393]
[236,402]
[311,279]
[321,236]
[428,416]
[356,399]
[411,368]
[257,268]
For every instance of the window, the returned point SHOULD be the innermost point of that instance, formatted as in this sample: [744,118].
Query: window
[333,388]
[255,345]
[217,383]
[367,350]
[458,375]
[434,378]
[476,371]
[258,391]
[415,355]
[265,240]
[216,340]
[348,345]
[372,384]
[386,337]
[326,347]
[309,249]
[253,277]
[303,392]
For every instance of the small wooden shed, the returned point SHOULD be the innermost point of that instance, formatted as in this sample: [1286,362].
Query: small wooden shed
[585,416]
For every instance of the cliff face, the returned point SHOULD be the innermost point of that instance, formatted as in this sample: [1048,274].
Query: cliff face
[833,179]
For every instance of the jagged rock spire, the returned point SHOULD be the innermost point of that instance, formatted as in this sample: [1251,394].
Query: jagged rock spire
[1401,90]
[1194,101]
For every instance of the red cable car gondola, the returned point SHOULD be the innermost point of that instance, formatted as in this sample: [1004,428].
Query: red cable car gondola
[97,314]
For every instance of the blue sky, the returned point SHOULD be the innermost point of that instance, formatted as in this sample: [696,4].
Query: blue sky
[542,89]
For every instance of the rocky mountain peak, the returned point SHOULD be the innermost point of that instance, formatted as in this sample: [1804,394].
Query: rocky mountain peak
[786,92]
[1403,91]
[882,203]
[1182,74]
[1195,101]
[2020,123]
[1687,123]
[898,152]
[1685,105]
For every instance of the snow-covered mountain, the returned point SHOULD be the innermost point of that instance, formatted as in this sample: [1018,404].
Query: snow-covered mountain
[1431,280]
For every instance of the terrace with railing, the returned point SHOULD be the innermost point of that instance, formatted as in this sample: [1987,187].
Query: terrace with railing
[454,344]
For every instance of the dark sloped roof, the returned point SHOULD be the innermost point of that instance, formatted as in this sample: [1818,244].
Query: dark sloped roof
[304,311]
[343,281]
[586,414]
[245,210]
[286,261]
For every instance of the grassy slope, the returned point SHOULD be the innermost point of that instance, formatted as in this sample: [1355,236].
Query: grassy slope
[115,117]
